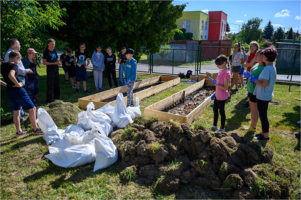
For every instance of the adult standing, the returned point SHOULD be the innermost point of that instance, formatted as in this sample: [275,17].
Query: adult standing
[14,44]
[50,58]
[122,64]
[98,67]
[32,80]
[110,66]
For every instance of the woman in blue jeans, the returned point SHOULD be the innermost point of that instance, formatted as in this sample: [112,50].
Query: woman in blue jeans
[264,90]
[122,66]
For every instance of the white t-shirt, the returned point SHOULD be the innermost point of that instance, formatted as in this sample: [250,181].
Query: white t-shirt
[236,58]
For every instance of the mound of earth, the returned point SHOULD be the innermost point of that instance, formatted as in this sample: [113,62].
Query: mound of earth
[171,154]
[62,113]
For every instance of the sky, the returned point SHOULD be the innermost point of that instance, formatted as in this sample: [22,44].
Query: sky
[285,14]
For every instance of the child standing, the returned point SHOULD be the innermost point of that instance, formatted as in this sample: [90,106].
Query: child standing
[69,62]
[221,92]
[110,66]
[242,68]
[254,47]
[130,75]
[264,90]
[17,95]
[98,67]
[237,60]
[81,73]
[122,65]
[62,59]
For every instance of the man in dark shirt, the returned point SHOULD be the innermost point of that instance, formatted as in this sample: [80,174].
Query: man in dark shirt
[17,95]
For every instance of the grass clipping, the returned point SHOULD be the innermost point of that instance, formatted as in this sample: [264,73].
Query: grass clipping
[62,113]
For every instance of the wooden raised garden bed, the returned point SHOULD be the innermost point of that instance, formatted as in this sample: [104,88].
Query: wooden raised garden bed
[157,109]
[142,89]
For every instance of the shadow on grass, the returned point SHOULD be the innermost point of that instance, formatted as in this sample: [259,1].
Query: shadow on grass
[291,118]
[239,116]
[21,143]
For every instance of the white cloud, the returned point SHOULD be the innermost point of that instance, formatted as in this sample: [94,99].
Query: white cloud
[298,17]
[245,15]
[276,25]
[239,21]
[283,13]
[205,11]
[231,27]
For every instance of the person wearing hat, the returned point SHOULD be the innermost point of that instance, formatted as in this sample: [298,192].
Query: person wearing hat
[32,80]
[98,67]
[130,75]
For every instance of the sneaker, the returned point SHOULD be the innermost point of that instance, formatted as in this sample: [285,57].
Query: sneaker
[213,128]
[236,90]
[243,87]
[18,134]
[38,131]
[77,91]
[87,92]
[67,81]
[97,89]
[262,138]
[101,89]
[22,120]
[25,114]
[221,130]
[256,135]
[74,86]
[251,129]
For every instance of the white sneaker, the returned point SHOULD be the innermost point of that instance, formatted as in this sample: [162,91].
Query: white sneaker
[221,130]
[74,86]
[213,128]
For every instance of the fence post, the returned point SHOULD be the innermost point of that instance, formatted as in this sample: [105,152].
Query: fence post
[197,62]
[200,54]
[173,58]
[292,70]
[152,63]
[149,63]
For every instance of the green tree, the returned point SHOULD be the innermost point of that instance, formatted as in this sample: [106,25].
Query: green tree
[228,28]
[290,34]
[268,30]
[179,35]
[26,21]
[278,35]
[250,31]
[133,24]
[164,50]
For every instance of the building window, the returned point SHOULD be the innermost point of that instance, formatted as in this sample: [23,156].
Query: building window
[205,37]
[186,25]
[202,37]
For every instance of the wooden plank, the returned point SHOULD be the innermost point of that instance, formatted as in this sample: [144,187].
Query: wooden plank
[199,109]
[167,78]
[83,104]
[163,116]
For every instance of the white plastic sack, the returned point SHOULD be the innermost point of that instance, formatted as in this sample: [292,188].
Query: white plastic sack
[72,156]
[75,128]
[97,115]
[134,111]
[45,122]
[68,139]
[106,153]
[107,109]
[87,124]
[121,116]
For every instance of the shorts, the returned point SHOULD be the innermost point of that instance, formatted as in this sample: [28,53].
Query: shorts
[71,71]
[236,69]
[19,98]
[252,97]
[65,68]
[81,74]
[242,71]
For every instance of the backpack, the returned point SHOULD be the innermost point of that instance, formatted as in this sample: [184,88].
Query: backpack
[181,75]
[189,72]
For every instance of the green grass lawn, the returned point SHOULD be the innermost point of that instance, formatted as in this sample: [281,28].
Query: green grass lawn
[26,173]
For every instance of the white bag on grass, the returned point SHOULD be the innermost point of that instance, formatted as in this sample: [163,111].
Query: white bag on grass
[106,153]
[107,109]
[46,123]
[134,111]
[97,115]
[75,128]
[68,139]
[72,156]
[121,116]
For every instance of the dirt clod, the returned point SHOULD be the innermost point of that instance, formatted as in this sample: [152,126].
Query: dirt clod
[205,136]
[233,181]
[168,183]
[250,177]
[267,156]
[229,141]
[244,193]
[281,172]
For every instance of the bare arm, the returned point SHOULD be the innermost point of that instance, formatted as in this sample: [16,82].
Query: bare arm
[50,63]
[12,77]
[225,86]
[262,83]
[250,63]
[3,83]
[88,61]
[119,60]
[67,64]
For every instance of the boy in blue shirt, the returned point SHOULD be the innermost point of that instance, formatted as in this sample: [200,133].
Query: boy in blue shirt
[130,75]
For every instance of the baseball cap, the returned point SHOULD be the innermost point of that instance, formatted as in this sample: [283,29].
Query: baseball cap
[98,46]
[129,51]
[31,50]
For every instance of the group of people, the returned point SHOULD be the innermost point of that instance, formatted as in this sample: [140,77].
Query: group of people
[261,77]
[20,74]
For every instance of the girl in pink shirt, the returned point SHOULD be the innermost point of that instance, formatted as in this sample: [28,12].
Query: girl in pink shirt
[221,92]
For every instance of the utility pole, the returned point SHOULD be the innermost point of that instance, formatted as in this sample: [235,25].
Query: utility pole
[283,33]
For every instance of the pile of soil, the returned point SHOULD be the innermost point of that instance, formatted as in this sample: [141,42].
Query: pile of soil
[170,154]
[191,102]
[62,113]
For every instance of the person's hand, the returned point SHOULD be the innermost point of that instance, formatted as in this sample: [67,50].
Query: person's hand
[253,79]
[247,74]
[79,65]
[30,71]
[213,96]
[19,85]
[58,62]
[212,80]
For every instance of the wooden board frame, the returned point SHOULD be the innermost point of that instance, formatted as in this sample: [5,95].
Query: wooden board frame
[155,110]
[98,99]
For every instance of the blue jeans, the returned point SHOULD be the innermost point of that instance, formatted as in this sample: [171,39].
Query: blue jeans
[122,68]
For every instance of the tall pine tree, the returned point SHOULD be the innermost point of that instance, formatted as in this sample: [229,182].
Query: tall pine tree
[228,28]
[278,35]
[268,30]
[290,34]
